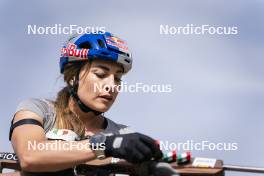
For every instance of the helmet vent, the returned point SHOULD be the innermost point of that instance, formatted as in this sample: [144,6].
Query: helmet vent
[128,61]
[105,53]
[85,45]
[119,52]
[101,43]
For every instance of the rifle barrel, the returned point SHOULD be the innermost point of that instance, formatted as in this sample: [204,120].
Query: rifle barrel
[243,168]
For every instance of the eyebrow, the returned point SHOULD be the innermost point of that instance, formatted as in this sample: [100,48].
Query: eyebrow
[107,68]
[103,67]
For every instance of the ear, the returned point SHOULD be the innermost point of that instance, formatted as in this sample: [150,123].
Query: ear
[72,81]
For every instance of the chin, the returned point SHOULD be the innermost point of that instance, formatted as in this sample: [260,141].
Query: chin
[99,106]
[102,108]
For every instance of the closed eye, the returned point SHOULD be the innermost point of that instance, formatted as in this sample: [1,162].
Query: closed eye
[100,75]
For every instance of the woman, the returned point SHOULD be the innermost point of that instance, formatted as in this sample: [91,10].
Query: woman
[92,66]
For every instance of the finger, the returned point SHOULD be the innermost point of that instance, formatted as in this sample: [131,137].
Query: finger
[134,155]
[162,168]
[138,157]
[157,154]
[145,151]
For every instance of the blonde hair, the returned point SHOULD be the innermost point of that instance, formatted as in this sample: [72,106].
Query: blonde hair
[65,118]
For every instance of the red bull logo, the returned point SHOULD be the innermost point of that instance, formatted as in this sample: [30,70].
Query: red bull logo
[72,51]
[115,41]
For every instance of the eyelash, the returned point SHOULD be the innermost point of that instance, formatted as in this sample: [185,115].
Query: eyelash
[103,75]
[100,75]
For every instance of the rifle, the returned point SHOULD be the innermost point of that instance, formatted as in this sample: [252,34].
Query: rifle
[195,167]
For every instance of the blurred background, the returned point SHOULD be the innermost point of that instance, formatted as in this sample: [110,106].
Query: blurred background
[217,80]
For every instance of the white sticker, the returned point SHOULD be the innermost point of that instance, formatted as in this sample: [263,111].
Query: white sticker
[117,142]
[115,160]
[204,162]
[61,134]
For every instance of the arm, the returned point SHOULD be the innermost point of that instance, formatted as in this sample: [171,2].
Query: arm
[134,147]
[44,160]
[97,162]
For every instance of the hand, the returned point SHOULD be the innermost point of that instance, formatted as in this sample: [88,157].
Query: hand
[133,147]
[155,168]
[161,169]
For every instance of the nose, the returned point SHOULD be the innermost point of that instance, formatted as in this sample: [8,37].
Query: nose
[110,83]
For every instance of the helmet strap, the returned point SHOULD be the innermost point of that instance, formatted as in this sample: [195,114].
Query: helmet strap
[73,92]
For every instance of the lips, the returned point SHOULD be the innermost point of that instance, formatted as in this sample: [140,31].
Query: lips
[107,97]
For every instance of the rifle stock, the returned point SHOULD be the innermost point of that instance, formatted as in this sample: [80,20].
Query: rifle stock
[123,167]
[9,161]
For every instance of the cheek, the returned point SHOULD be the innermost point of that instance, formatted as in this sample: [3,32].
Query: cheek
[87,87]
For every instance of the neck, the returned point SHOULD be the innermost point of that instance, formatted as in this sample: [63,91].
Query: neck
[89,119]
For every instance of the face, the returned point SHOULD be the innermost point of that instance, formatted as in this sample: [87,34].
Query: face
[98,84]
